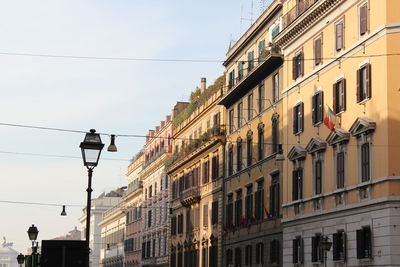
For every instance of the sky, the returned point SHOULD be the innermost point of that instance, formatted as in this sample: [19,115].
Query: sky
[111,96]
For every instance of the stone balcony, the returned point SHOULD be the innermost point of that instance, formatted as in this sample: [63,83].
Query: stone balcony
[190,196]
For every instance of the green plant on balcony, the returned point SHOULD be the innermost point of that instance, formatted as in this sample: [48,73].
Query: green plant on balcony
[197,98]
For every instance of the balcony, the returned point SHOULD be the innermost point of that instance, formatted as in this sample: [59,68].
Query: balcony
[132,187]
[268,61]
[163,150]
[296,11]
[190,196]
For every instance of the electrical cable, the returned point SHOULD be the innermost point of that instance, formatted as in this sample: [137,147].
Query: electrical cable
[52,156]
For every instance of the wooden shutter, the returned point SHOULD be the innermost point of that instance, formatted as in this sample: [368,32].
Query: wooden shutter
[294,68]
[300,178]
[363,19]
[295,251]
[314,110]
[301,63]
[335,246]
[344,94]
[271,201]
[294,185]
[318,51]
[360,243]
[302,116]
[321,107]
[314,249]
[344,246]
[368,81]
[339,36]
[334,90]
[295,120]
[301,256]
[358,86]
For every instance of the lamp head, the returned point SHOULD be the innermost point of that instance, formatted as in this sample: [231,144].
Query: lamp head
[33,233]
[20,258]
[112,147]
[91,148]
[63,212]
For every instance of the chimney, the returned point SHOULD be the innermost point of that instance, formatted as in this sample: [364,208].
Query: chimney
[203,84]
[157,129]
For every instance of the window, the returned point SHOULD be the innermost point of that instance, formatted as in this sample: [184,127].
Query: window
[339,246]
[249,202]
[298,123]
[340,161]
[173,225]
[238,208]
[317,108]
[260,141]
[250,59]
[275,88]
[274,198]
[298,65]
[230,159]
[275,31]
[363,18]
[214,215]
[316,252]
[260,253]
[205,215]
[150,191]
[229,211]
[216,120]
[213,254]
[229,257]
[261,96]
[148,247]
[297,183]
[339,35]
[275,134]
[238,257]
[240,70]
[259,200]
[249,107]
[149,218]
[339,96]
[298,250]
[173,259]
[365,162]
[249,148]
[364,83]
[364,245]
[180,258]
[318,51]
[180,223]
[239,154]
[204,256]
[318,176]
[240,114]
[231,120]
[215,167]
[261,49]
[231,79]
[189,220]
[206,171]
[274,251]
[154,248]
[248,255]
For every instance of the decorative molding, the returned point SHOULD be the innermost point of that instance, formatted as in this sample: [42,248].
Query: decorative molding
[338,135]
[362,126]
[297,152]
[316,144]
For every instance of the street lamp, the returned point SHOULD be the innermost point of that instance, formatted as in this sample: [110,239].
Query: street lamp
[91,149]
[20,259]
[325,245]
[33,233]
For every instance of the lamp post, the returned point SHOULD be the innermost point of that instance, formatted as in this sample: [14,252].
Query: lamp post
[325,244]
[91,149]
[20,259]
[33,234]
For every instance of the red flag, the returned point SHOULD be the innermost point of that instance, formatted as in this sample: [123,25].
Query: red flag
[224,229]
[266,212]
[330,119]
[243,221]
[252,219]
[232,227]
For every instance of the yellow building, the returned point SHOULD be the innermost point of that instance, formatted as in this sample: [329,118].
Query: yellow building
[253,170]
[195,170]
[342,184]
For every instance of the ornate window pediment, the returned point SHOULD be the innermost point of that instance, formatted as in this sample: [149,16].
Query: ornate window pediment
[361,126]
[316,144]
[297,152]
[338,135]
[250,134]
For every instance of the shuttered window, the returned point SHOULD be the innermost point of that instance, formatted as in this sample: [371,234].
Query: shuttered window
[316,252]
[339,246]
[365,162]
[248,255]
[318,51]
[364,245]
[363,15]
[238,208]
[339,36]
[298,250]
[298,122]
[249,107]
[274,199]
[214,213]
[206,171]
[239,155]
[339,96]
[250,59]
[318,176]
[274,251]
[297,190]
[249,150]
[364,83]
[240,115]
[230,160]
[298,65]
[249,202]
[259,201]
[205,215]
[317,107]
[340,170]
[260,253]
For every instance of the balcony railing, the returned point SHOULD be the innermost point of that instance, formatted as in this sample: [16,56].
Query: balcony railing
[190,196]
[132,187]
[166,149]
[296,11]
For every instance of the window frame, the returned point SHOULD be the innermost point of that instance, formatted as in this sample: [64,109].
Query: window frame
[298,118]
[361,31]
[250,106]
[298,65]
[339,246]
[275,87]
[317,108]
[339,95]
[298,250]
[342,44]
[364,243]
[318,51]
[364,86]
[239,115]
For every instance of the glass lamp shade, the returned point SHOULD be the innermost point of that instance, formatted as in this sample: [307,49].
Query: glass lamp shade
[20,258]
[91,148]
[33,233]
[325,244]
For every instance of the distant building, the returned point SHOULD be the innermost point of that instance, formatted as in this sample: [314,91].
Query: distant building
[72,235]
[8,255]
[99,206]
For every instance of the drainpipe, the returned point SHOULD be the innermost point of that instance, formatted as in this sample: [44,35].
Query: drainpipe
[223,199]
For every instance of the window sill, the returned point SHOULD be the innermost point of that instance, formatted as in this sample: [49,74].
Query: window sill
[362,102]
[317,124]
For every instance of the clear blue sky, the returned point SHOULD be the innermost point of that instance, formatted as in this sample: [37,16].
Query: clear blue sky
[121,97]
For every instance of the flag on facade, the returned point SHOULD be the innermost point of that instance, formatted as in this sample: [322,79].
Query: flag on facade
[243,221]
[232,227]
[224,229]
[330,119]
[267,213]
